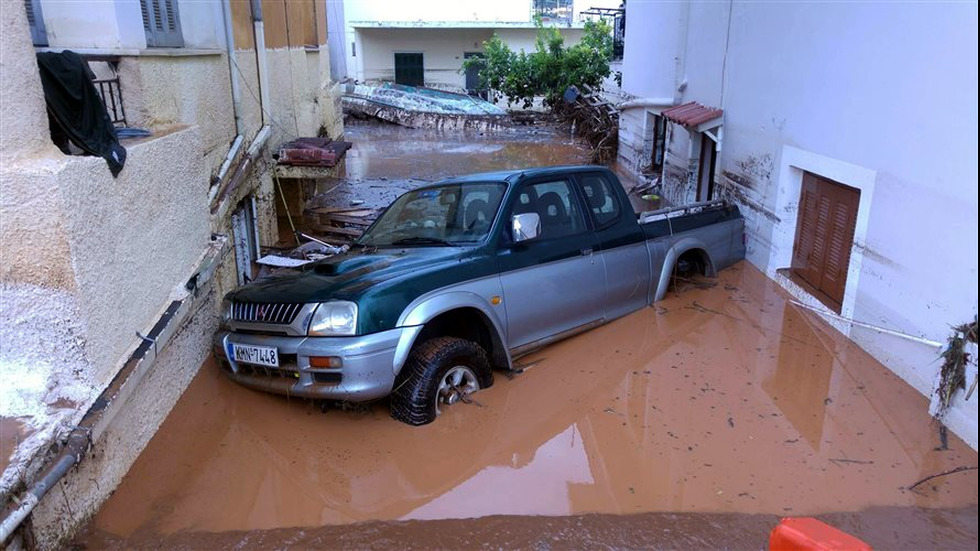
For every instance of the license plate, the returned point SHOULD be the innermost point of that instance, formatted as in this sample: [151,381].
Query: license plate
[258,355]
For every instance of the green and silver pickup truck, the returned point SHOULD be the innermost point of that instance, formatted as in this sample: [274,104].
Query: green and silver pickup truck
[460,277]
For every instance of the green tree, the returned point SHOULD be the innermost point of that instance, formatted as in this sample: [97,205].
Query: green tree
[550,69]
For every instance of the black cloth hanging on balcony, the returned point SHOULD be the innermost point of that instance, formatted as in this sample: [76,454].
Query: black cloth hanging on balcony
[76,109]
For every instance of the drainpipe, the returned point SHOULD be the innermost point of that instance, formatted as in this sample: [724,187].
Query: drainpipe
[99,416]
[71,454]
[680,67]
[236,90]
[646,102]
[260,57]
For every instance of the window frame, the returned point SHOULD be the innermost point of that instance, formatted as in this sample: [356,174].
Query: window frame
[574,195]
[593,221]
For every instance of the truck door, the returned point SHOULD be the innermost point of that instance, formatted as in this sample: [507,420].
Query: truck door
[554,283]
[620,246]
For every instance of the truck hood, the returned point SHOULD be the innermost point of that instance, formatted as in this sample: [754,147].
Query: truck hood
[346,276]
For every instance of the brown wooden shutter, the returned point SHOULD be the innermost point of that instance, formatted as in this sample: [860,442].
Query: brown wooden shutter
[824,236]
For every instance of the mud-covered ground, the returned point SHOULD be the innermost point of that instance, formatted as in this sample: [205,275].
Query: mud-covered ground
[695,423]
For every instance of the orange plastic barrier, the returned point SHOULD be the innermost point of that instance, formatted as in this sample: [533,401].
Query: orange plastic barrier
[809,534]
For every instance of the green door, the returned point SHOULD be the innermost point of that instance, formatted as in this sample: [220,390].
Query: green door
[409,69]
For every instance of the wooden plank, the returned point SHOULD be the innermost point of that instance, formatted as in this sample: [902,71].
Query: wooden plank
[341,231]
[348,219]
[348,211]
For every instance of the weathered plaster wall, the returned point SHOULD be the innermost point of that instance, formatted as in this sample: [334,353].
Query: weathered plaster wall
[302,95]
[191,90]
[74,501]
[134,237]
[22,109]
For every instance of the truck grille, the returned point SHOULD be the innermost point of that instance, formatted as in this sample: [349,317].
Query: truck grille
[272,313]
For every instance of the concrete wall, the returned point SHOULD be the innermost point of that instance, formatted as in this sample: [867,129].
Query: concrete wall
[845,91]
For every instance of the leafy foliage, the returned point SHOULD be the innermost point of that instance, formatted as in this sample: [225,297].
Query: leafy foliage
[550,69]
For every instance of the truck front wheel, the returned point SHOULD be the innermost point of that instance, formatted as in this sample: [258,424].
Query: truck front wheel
[439,372]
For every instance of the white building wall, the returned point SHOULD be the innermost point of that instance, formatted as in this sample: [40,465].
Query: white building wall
[94,25]
[655,35]
[375,29]
[442,51]
[878,96]
[460,10]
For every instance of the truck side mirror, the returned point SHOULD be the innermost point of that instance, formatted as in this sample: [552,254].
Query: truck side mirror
[525,226]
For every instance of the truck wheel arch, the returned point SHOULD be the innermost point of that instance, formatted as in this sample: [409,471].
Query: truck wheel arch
[685,246]
[457,314]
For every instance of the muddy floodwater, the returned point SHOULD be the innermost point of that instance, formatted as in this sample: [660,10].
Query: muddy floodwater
[12,432]
[723,401]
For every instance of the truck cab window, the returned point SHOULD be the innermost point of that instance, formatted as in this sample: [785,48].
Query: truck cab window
[601,199]
[555,204]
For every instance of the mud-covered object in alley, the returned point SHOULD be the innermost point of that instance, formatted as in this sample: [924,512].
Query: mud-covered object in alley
[313,152]
[75,108]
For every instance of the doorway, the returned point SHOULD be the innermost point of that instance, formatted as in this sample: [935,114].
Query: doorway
[706,169]
[246,241]
[410,69]
[473,85]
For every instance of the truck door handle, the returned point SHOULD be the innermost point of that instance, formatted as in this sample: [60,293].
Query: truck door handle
[587,252]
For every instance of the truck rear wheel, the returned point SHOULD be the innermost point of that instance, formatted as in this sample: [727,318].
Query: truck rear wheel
[439,372]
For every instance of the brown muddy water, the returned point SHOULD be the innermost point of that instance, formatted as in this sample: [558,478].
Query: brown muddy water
[708,415]
[13,431]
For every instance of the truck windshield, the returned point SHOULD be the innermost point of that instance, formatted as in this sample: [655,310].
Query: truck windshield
[449,215]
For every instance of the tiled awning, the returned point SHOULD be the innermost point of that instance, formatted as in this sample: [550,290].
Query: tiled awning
[693,114]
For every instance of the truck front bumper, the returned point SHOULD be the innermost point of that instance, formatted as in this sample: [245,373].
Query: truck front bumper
[366,373]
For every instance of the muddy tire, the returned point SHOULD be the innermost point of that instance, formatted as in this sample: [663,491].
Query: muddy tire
[438,370]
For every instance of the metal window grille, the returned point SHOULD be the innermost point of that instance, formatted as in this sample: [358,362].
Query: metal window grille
[619,36]
[39,35]
[553,11]
[161,21]
[112,98]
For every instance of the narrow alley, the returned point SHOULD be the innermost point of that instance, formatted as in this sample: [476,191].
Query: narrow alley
[678,408]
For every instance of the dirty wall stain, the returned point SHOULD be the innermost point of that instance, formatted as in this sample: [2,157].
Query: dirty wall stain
[718,400]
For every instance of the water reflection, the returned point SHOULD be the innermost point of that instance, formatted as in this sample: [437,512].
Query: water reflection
[800,385]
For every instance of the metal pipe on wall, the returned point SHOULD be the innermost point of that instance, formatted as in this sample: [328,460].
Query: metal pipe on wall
[236,90]
[261,60]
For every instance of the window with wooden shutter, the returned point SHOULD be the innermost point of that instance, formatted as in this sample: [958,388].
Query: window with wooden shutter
[161,21]
[824,236]
[39,35]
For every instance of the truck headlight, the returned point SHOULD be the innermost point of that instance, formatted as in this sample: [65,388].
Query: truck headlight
[335,318]
[226,311]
